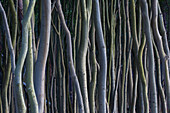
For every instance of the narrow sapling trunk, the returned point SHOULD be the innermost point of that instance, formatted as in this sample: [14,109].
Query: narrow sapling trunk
[70,59]
[86,6]
[147,31]
[163,56]
[135,50]
[102,57]
[29,76]
[19,97]
[5,82]
[123,102]
[93,70]
[39,72]
[6,78]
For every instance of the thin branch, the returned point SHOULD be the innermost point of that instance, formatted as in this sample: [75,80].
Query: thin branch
[8,37]
[70,59]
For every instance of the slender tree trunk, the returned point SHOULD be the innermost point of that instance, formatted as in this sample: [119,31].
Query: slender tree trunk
[163,57]
[116,91]
[142,75]
[123,104]
[163,33]
[21,107]
[39,74]
[29,76]
[81,69]
[160,88]
[102,58]
[147,31]
[93,70]
[135,50]
[112,52]
[70,59]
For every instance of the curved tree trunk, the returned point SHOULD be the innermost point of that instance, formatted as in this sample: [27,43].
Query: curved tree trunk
[93,81]
[39,74]
[70,59]
[163,56]
[146,27]
[81,69]
[102,58]
[29,75]
[6,78]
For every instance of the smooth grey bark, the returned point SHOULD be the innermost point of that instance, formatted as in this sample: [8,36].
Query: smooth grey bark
[129,65]
[86,6]
[8,37]
[135,50]
[123,101]
[160,88]
[6,77]
[21,108]
[115,92]
[39,72]
[74,47]
[163,33]
[163,56]
[29,66]
[29,75]
[147,31]
[102,58]
[19,97]
[142,77]
[70,59]
[111,62]
[61,73]
[93,81]
[13,36]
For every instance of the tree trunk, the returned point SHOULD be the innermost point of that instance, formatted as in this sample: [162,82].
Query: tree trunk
[102,58]
[39,71]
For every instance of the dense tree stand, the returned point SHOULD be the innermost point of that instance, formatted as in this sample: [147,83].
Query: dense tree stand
[84,56]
